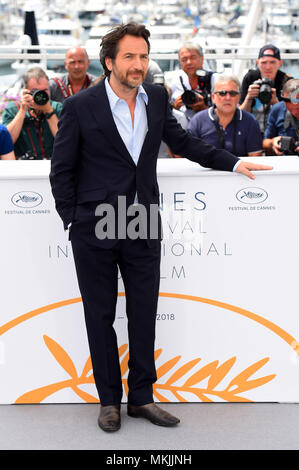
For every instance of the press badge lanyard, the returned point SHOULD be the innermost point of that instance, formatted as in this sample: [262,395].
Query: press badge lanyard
[68,91]
[39,130]
[220,133]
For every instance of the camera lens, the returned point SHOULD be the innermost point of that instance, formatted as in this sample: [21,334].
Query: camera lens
[189,97]
[265,93]
[40,97]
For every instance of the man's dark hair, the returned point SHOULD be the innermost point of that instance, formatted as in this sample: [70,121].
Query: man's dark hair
[109,44]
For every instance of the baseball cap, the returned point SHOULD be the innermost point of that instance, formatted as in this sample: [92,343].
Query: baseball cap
[265,51]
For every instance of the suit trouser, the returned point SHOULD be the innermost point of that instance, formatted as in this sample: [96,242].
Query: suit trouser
[97,272]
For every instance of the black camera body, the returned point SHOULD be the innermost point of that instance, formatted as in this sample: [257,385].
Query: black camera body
[265,93]
[204,83]
[288,145]
[190,97]
[29,155]
[40,97]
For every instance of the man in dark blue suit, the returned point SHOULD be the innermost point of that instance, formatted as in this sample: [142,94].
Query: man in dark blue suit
[105,156]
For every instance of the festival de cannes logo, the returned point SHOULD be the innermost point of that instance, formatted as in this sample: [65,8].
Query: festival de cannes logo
[252,195]
[177,379]
[26,199]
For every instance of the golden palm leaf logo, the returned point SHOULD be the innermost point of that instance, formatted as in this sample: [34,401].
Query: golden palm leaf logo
[176,379]
[214,372]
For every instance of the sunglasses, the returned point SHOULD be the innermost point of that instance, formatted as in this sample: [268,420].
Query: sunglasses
[224,92]
[290,100]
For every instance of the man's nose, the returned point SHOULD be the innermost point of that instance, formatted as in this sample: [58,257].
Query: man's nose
[138,63]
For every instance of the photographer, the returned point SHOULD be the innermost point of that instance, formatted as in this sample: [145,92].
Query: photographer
[268,79]
[282,132]
[191,89]
[224,125]
[76,64]
[32,123]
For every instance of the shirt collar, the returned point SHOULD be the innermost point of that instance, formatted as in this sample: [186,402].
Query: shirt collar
[212,114]
[114,99]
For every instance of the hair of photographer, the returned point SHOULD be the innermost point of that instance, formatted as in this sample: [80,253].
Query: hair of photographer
[37,73]
[192,46]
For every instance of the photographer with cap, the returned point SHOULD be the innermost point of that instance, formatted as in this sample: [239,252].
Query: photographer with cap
[32,123]
[261,87]
[282,131]
[191,88]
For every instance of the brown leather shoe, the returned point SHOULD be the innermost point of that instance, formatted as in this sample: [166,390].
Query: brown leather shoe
[109,418]
[153,413]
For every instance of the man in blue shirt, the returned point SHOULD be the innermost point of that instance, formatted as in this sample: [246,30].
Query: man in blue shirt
[104,161]
[226,126]
[283,119]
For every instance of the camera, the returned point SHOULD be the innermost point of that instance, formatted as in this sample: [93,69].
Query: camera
[288,145]
[265,93]
[28,156]
[190,97]
[40,97]
[204,83]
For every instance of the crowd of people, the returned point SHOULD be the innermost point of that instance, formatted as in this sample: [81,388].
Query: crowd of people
[254,117]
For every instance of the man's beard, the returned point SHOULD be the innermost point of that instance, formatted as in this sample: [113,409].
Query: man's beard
[130,83]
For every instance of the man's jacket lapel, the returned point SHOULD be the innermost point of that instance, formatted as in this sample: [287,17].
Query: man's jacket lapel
[100,108]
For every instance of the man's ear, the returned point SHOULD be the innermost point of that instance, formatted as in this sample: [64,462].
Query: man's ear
[108,62]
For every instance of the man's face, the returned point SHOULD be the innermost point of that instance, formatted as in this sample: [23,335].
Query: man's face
[130,65]
[226,104]
[292,107]
[76,63]
[190,61]
[269,65]
[41,84]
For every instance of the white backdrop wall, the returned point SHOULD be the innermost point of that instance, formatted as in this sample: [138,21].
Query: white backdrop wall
[227,320]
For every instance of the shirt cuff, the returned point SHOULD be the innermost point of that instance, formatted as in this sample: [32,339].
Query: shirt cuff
[236,165]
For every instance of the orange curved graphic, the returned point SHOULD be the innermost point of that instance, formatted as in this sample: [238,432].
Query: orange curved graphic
[245,313]
[177,384]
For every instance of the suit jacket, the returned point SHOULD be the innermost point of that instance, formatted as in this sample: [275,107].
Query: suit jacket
[90,162]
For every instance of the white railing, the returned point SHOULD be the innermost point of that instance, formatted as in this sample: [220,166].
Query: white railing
[227,53]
